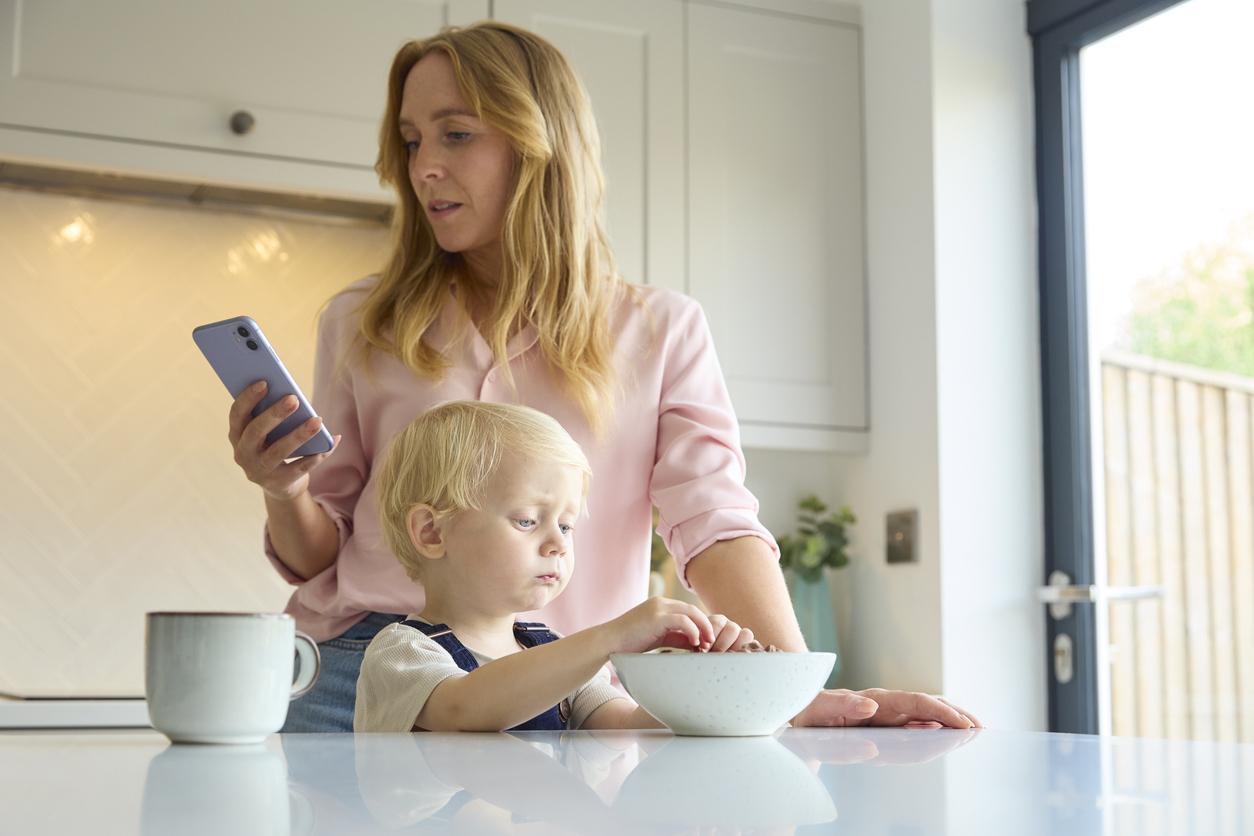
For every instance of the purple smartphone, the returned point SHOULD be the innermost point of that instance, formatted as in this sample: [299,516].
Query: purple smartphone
[241,355]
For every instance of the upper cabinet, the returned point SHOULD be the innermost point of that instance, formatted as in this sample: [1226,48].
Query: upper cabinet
[775,220]
[732,140]
[279,95]
[630,57]
[731,135]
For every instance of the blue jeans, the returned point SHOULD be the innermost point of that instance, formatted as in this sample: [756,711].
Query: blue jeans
[329,706]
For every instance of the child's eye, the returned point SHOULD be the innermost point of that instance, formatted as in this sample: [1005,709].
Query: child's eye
[567,529]
[525,524]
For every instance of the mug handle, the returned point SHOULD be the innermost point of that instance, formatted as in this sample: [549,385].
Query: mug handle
[310,665]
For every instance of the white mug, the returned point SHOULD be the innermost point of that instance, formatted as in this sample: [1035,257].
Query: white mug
[224,677]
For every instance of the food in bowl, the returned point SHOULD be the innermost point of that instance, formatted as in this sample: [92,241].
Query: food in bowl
[723,694]
[752,646]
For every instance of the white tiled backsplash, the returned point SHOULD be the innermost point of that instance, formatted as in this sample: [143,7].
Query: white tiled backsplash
[118,493]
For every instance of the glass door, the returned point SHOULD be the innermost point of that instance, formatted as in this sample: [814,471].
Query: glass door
[1146,190]
[1167,137]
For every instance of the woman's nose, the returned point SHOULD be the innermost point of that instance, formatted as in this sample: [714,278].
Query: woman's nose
[426,165]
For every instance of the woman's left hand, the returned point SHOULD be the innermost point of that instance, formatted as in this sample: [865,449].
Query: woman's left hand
[879,707]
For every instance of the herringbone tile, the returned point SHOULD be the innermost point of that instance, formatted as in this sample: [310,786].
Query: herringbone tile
[118,493]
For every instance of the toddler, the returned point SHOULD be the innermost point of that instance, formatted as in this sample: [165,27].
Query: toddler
[479,503]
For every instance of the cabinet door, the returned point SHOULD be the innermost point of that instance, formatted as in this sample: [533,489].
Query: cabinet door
[630,58]
[776,208]
[312,73]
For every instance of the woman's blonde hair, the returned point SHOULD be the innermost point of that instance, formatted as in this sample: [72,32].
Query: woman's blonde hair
[559,272]
[446,457]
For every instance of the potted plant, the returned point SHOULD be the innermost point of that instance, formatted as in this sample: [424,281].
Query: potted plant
[820,542]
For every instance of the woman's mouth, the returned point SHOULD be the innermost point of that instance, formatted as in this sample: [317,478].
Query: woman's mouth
[442,208]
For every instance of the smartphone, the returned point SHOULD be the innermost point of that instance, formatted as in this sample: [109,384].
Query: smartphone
[241,355]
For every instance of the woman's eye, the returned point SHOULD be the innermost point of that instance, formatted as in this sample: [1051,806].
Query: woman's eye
[411,146]
[458,136]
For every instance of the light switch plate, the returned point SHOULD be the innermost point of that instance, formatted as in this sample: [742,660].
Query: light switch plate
[899,537]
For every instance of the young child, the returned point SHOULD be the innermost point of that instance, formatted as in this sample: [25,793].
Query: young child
[479,503]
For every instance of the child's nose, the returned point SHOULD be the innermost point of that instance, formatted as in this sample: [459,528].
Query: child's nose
[554,545]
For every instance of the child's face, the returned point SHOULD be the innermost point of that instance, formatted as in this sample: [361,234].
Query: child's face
[516,553]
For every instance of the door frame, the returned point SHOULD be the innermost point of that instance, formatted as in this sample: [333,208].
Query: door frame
[1059,29]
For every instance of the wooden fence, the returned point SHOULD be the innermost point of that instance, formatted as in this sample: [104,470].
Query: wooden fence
[1179,460]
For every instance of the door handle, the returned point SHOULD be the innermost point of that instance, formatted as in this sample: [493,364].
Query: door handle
[1060,594]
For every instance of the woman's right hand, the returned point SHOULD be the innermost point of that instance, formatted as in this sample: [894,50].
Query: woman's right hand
[265,466]
[661,622]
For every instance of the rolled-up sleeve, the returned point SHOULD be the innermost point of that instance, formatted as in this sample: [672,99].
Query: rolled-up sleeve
[337,483]
[698,481]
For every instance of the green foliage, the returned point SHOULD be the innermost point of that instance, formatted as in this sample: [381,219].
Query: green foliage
[821,540]
[1201,312]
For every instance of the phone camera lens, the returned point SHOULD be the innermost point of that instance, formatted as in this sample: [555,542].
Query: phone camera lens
[251,344]
[242,331]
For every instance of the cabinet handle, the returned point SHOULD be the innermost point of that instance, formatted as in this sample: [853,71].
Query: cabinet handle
[242,122]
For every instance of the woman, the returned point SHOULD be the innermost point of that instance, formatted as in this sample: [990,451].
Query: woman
[501,286]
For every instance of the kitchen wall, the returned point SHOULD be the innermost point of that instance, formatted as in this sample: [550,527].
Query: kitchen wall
[955,403]
[118,494]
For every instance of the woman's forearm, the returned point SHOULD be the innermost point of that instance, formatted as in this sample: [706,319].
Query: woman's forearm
[304,536]
[741,579]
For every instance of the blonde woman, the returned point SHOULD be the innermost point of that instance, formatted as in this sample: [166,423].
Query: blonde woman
[501,286]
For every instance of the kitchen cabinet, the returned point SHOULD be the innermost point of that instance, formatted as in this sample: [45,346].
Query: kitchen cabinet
[775,220]
[148,87]
[731,133]
[732,143]
[630,57]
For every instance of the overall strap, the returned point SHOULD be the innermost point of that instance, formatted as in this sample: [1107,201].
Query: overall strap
[443,636]
[532,633]
[529,634]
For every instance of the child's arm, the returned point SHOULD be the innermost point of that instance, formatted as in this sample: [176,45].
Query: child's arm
[621,713]
[515,688]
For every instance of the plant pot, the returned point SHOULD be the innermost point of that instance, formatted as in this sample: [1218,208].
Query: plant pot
[812,603]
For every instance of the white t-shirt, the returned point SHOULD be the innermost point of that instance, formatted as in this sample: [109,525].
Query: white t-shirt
[402,667]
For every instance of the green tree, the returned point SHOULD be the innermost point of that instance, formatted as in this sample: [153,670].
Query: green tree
[1200,312]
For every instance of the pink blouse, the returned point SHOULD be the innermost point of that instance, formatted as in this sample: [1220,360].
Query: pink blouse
[673,442]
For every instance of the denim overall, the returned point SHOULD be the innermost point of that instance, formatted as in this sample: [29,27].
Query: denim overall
[528,635]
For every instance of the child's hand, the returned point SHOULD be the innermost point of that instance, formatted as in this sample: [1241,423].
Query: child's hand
[662,622]
[728,635]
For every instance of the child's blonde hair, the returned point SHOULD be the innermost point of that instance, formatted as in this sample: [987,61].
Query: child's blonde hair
[447,455]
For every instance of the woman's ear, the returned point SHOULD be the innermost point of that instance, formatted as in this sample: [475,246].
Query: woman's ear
[424,532]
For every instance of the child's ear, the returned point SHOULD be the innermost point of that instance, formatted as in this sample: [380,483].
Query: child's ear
[424,532]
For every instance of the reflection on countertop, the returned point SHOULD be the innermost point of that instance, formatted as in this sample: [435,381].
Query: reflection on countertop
[863,781]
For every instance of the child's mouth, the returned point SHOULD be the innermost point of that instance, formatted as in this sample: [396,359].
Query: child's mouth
[548,578]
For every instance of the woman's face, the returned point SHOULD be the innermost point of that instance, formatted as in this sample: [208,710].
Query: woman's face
[460,169]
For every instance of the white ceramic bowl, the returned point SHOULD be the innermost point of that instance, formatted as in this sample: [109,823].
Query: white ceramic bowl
[723,694]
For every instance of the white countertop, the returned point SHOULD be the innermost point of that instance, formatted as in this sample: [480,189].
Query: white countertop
[856,781]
